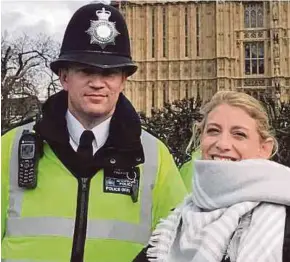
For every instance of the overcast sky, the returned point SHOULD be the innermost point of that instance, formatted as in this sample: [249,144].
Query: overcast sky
[34,17]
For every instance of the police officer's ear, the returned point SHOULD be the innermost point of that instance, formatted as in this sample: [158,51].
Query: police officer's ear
[63,74]
[125,77]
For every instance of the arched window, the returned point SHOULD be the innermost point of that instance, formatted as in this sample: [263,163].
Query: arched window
[153,33]
[197,30]
[253,18]
[164,93]
[247,19]
[254,58]
[186,32]
[253,15]
[186,91]
[164,38]
[153,95]
[260,18]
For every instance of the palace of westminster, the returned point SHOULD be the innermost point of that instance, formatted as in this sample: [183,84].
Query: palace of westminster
[190,48]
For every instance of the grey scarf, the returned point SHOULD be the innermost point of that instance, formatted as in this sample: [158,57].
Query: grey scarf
[236,209]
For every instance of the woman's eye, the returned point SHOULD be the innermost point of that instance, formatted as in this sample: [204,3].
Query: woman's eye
[240,135]
[212,131]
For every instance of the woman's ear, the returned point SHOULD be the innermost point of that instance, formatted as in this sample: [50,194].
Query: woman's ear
[267,148]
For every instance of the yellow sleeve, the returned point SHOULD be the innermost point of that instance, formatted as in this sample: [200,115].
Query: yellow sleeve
[169,189]
[187,170]
[6,147]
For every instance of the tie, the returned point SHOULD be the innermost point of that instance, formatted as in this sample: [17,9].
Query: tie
[86,148]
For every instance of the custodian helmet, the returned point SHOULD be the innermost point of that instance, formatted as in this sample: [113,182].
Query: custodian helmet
[96,35]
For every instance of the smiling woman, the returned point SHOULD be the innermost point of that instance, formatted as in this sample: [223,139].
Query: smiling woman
[239,205]
[235,126]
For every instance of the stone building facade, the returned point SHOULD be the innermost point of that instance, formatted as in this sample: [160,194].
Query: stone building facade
[189,48]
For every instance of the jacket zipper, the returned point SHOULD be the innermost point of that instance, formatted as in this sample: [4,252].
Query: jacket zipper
[80,230]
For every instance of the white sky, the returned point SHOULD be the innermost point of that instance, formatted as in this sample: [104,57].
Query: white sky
[34,17]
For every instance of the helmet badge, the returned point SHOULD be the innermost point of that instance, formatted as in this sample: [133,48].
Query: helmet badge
[102,31]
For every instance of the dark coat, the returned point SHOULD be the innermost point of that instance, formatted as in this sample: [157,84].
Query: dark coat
[123,143]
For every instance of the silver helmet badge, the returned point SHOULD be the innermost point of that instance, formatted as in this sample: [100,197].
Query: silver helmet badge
[102,31]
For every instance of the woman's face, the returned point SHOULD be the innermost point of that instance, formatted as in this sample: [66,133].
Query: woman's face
[231,134]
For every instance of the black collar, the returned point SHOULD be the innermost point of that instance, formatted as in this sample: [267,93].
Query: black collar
[123,143]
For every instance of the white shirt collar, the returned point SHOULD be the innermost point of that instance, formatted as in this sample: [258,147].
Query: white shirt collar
[75,129]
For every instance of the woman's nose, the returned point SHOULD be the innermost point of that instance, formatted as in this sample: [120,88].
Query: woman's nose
[224,142]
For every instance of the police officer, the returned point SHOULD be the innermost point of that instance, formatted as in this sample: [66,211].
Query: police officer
[102,182]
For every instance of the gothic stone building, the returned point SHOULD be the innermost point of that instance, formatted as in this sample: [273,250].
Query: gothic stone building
[186,48]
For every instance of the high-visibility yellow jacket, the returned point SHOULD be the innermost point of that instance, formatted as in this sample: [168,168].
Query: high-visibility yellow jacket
[187,170]
[38,224]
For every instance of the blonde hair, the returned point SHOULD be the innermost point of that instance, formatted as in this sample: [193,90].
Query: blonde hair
[238,99]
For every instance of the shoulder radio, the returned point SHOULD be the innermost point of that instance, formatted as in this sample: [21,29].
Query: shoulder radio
[28,156]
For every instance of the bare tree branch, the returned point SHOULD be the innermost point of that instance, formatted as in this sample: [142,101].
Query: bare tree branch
[25,74]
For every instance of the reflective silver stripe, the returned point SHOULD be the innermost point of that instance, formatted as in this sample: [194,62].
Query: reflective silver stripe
[40,226]
[150,169]
[55,226]
[15,192]
[24,260]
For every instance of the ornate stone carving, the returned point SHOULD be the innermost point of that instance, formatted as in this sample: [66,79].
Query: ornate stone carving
[276,37]
[253,35]
[276,54]
[254,82]
[276,70]
[276,51]
[275,11]
[260,34]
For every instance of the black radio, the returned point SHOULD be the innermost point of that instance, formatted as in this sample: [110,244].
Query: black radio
[28,156]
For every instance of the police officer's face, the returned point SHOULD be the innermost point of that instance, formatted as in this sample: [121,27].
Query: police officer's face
[92,93]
